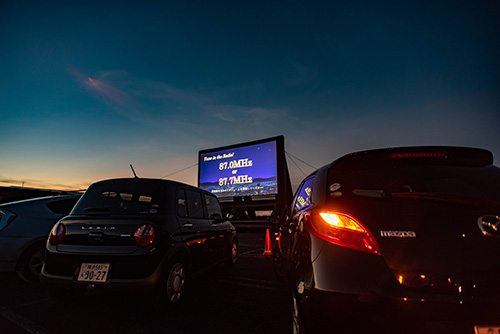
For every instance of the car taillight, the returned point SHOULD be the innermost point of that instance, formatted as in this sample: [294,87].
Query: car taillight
[57,234]
[343,230]
[144,235]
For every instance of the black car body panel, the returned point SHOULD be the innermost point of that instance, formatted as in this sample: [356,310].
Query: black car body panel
[427,239]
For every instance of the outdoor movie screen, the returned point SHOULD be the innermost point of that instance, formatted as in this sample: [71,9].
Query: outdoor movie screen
[240,171]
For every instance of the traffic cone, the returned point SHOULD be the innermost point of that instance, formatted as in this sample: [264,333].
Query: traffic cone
[267,249]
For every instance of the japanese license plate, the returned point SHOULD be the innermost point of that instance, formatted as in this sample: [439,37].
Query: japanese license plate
[93,272]
[487,329]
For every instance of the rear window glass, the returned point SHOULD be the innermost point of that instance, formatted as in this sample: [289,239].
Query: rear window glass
[194,204]
[5,218]
[213,207]
[182,204]
[127,198]
[424,182]
[303,196]
[62,206]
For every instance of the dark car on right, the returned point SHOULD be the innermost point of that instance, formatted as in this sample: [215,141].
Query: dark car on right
[399,240]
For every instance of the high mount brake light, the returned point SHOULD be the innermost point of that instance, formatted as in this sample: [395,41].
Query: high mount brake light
[406,155]
[57,234]
[343,230]
[144,235]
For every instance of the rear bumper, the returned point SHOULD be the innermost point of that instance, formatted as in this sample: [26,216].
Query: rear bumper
[139,285]
[357,292]
[137,272]
[339,269]
[323,311]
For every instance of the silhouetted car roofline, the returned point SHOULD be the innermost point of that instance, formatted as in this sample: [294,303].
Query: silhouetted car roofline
[139,180]
[168,183]
[425,155]
[40,199]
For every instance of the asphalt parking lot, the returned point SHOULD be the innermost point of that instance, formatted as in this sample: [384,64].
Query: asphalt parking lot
[244,299]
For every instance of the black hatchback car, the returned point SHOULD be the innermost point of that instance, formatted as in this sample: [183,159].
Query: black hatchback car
[137,234]
[395,240]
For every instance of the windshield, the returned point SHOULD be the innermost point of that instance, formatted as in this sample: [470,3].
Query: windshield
[459,185]
[121,199]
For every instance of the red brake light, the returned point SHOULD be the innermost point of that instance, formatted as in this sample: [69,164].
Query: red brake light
[57,234]
[144,235]
[343,230]
[406,155]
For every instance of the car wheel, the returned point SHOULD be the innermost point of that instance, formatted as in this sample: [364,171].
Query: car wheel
[233,254]
[171,288]
[297,324]
[30,263]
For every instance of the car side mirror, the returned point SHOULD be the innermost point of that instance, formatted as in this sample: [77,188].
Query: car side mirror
[279,215]
[274,219]
[215,216]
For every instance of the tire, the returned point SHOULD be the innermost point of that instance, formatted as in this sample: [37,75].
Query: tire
[297,322]
[278,267]
[30,263]
[233,254]
[171,288]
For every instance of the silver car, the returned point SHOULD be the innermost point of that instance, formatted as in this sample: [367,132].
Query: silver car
[24,227]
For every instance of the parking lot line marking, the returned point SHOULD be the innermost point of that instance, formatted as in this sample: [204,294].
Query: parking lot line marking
[253,280]
[21,321]
[164,330]
[41,301]
[249,285]
[252,251]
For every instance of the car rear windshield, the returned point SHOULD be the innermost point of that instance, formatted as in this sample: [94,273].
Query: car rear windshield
[122,199]
[62,206]
[460,185]
[5,217]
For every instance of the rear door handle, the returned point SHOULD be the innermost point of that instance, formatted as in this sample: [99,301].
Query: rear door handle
[188,226]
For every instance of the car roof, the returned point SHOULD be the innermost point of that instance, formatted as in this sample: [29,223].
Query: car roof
[166,183]
[391,157]
[413,155]
[41,199]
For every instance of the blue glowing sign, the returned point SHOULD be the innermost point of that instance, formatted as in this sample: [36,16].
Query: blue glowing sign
[240,171]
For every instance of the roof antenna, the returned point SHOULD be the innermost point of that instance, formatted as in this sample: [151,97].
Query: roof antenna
[133,171]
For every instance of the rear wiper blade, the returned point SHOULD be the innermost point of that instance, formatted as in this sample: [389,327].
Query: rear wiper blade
[448,197]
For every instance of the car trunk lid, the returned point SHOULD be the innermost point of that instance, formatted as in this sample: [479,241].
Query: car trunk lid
[101,234]
[438,247]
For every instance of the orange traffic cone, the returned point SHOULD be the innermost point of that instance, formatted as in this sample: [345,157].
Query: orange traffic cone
[267,250]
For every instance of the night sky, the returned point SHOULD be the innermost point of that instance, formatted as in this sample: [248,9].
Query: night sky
[88,88]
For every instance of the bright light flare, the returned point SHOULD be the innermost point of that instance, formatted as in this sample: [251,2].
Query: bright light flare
[341,221]
[343,230]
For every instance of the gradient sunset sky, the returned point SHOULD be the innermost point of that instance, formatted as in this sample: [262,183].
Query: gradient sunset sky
[88,88]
